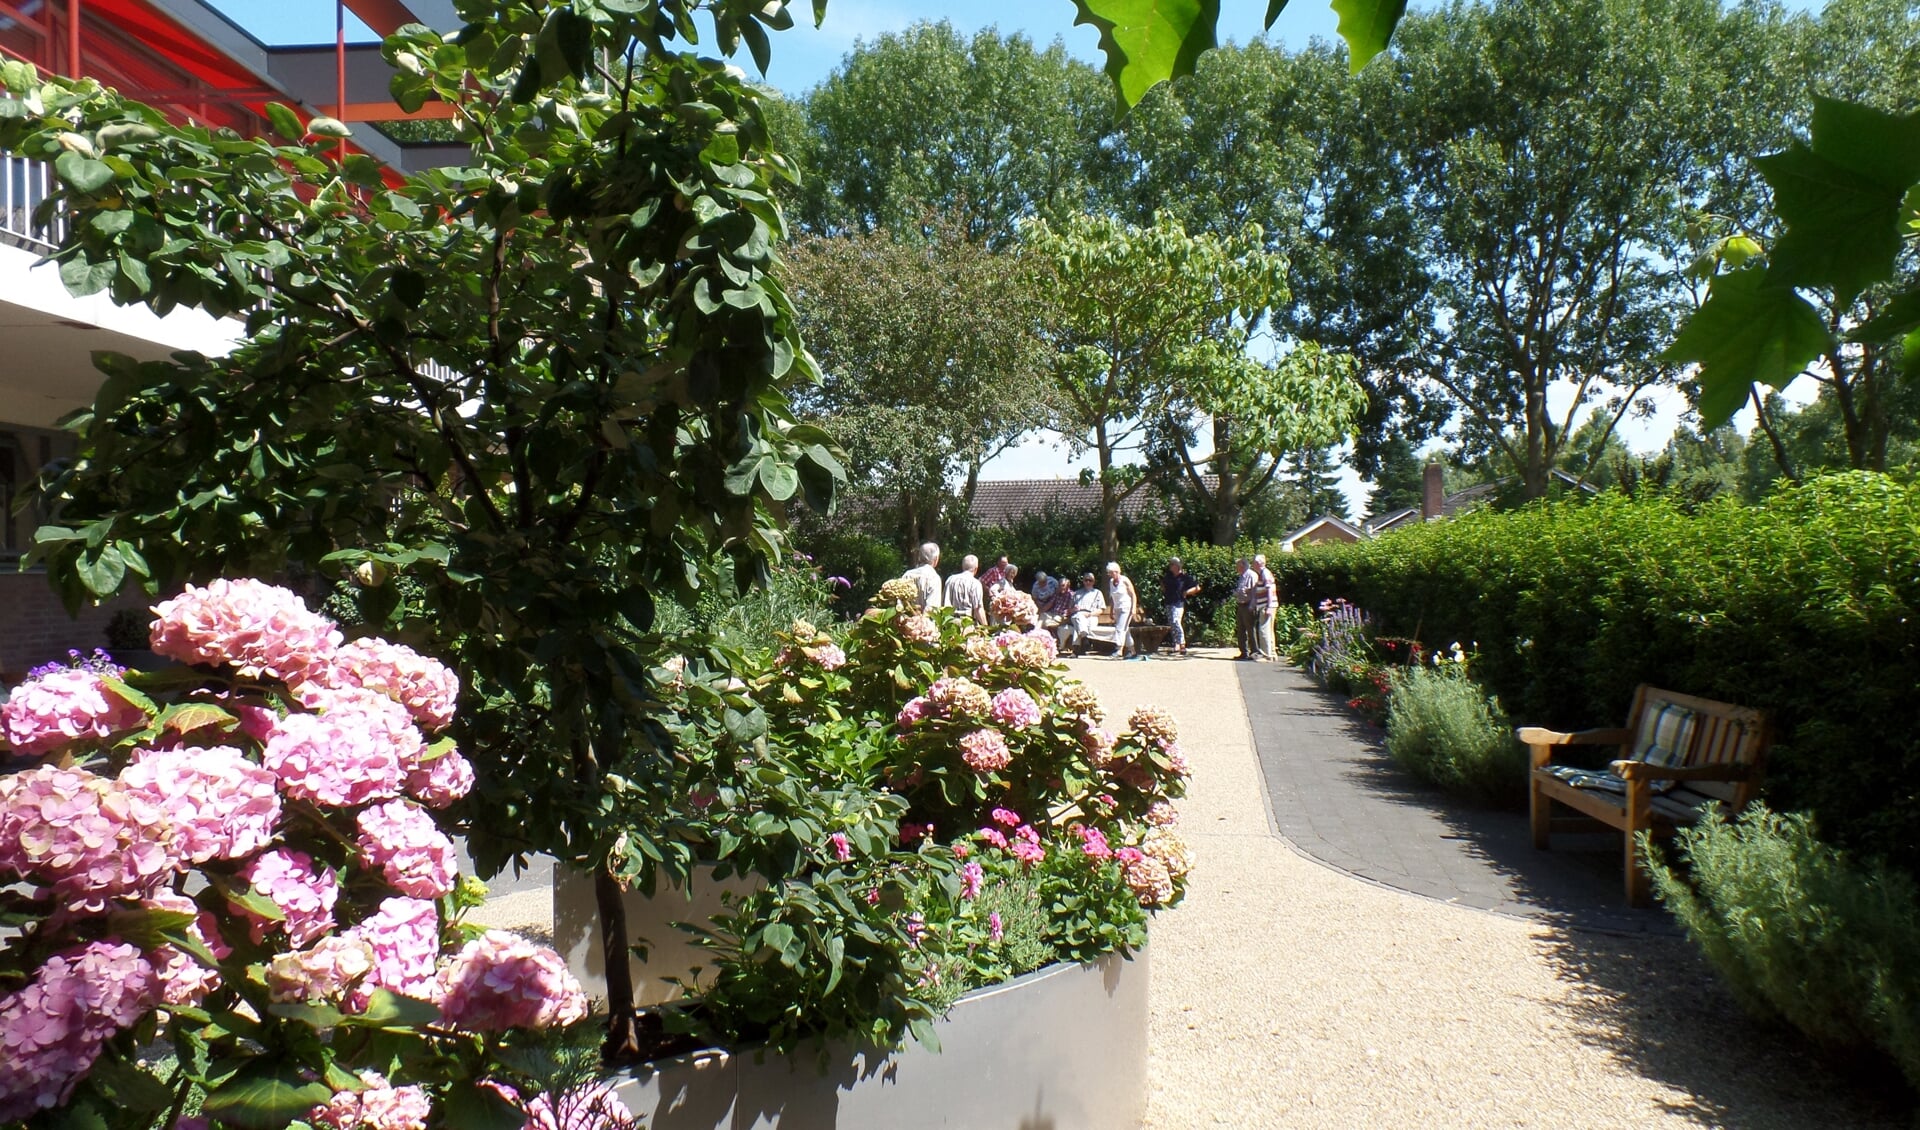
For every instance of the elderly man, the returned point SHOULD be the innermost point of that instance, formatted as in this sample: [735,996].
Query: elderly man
[963,591]
[1176,585]
[925,576]
[1088,604]
[1264,602]
[1242,608]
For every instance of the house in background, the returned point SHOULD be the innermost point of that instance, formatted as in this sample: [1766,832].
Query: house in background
[999,503]
[195,65]
[1435,504]
[1326,528]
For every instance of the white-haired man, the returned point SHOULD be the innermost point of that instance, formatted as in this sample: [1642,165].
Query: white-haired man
[1265,601]
[1125,602]
[964,594]
[926,576]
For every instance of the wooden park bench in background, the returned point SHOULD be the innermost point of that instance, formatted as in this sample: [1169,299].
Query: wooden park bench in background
[1677,753]
[1147,638]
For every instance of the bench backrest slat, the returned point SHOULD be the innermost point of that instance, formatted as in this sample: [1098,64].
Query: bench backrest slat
[1723,734]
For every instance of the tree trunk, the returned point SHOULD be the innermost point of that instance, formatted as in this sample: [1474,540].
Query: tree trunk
[1533,476]
[623,1029]
[1226,496]
[1109,498]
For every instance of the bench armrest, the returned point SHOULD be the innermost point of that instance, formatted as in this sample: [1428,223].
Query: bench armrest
[1540,735]
[1641,771]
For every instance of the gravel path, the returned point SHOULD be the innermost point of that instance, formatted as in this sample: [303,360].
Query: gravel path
[1287,994]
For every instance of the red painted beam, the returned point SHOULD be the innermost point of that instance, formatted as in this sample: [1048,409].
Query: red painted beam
[384,16]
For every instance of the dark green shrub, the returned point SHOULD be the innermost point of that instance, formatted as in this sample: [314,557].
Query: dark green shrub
[1802,932]
[1807,606]
[1442,728]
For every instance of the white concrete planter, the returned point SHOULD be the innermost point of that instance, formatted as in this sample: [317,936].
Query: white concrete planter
[1062,1048]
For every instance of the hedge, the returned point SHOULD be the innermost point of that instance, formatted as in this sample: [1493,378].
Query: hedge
[1805,606]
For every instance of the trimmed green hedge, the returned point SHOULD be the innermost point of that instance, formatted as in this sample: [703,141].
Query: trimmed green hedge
[1807,606]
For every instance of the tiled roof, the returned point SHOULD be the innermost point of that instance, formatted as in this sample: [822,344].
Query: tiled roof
[1001,502]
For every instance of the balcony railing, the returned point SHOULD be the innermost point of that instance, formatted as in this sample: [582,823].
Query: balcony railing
[23,185]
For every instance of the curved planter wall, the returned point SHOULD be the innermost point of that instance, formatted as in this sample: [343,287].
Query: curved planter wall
[1063,1048]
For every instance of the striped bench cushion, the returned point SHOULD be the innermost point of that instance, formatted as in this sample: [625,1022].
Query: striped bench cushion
[1682,806]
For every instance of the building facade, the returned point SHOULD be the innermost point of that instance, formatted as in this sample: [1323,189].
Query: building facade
[196,65]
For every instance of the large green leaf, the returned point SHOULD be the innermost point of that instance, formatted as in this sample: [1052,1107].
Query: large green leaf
[265,1095]
[1367,25]
[1149,41]
[1752,329]
[1842,197]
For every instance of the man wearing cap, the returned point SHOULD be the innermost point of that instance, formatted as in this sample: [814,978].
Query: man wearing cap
[1125,602]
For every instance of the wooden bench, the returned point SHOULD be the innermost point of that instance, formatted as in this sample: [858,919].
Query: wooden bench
[1146,637]
[1677,753]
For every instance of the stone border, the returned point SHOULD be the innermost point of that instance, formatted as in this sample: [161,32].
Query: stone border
[1062,1047]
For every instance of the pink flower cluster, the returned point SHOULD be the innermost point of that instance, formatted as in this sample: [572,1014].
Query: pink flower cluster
[1093,841]
[86,836]
[1080,699]
[1011,606]
[408,848]
[52,1029]
[439,779]
[404,936]
[304,895]
[65,705]
[954,697]
[1035,650]
[985,751]
[258,629]
[842,847]
[972,878]
[1155,726]
[1099,744]
[1015,709]
[325,971]
[500,981]
[379,1106]
[426,687]
[590,1106]
[1146,876]
[221,805]
[919,628]
[359,749]
[183,979]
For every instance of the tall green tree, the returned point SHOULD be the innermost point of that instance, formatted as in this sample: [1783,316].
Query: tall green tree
[932,361]
[546,386]
[1398,480]
[1147,320]
[1554,151]
[927,123]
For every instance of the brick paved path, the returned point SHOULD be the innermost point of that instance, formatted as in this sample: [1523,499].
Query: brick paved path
[1338,798]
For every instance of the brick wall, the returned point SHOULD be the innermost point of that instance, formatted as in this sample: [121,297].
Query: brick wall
[35,627]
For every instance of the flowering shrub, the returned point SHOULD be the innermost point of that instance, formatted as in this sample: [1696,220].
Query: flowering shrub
[238,859]
[915,782]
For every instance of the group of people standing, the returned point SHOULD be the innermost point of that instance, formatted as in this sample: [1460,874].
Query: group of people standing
[1256,597]
[1071,611]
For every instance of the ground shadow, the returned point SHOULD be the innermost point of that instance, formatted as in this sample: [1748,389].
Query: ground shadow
[1637,987]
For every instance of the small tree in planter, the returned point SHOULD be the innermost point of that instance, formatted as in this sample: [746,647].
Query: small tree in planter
[544,386]
[238,861]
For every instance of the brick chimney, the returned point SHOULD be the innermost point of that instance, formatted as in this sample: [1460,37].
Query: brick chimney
[1432,493]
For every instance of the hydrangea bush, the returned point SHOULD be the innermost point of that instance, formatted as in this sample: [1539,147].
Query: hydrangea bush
[237,861]
[915,784]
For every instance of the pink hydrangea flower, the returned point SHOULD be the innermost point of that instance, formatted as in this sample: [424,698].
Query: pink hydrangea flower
[426,687]
[439,781]
[326,971]
[920,629]
[65,705]
[258,629]
[408,848]
[1093,841]
[1099,744]
[985,751]
[1161,814]
[588,1106]
[1146,876]
[84,835]
[972,878]
[359,749]
[380,1106]
[1155,726]
[954,697]
[183,980]
[842,847]
[1015,709]
[1011,606]
[826,656]
[52,1029]
[913,712]
[222,805]
[500,981]
[305,895]
[404,939]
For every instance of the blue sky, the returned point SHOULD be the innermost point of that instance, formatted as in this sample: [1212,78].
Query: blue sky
[805,55]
